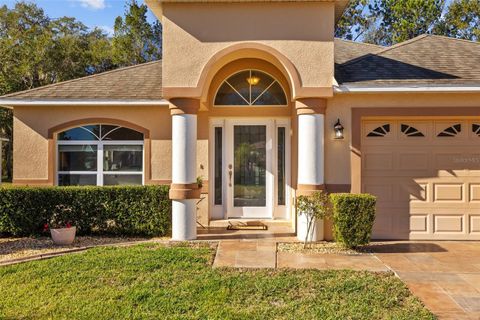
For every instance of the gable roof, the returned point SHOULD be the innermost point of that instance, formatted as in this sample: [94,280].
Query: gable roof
[142,82]
[347,50]
[422,61]
[425,60]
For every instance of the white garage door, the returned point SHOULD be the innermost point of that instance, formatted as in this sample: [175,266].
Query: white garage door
[426,175]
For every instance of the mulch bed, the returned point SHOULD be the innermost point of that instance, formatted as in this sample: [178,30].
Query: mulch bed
[325,247]
[15,248]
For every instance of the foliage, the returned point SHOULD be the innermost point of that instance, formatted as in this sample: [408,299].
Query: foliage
[406,19]
[353,218]
[93,210]
[386,22]
[155,282]
[354,21]
[36,50]
[315,207]
[462,20]
[135,39]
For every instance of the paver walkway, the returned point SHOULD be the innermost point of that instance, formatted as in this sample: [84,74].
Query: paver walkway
[263,254]
[444,275]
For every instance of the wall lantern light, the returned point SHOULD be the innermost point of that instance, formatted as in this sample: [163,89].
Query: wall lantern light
[338,128]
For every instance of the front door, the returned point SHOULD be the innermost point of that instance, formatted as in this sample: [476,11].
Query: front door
[250,180]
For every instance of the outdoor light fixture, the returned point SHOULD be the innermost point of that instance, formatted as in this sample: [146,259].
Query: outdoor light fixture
[338,128]
[253,80]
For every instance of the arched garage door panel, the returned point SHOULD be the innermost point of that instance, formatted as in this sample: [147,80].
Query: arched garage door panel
[426,175]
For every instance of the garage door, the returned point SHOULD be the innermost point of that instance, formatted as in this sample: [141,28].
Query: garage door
[426,175]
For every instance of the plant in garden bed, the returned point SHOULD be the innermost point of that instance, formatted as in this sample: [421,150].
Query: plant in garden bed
[353,218]
[123,210]
[314,207]
[61,229]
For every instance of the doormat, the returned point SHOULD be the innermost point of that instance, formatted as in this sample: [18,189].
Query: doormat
[250,225]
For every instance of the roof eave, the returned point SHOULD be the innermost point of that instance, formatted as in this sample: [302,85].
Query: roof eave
[76,102]
[343,89]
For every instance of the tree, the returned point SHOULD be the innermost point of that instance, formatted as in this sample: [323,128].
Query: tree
[135,40]
[354,21]
[405,19]
[462,20]
[36,50]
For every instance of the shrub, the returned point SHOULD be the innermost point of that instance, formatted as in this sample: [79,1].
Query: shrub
[314,207]
[353,218]
[125,210]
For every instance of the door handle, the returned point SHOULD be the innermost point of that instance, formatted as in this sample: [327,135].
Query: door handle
[230,173]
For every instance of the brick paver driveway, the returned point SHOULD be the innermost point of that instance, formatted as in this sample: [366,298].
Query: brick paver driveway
[444,275]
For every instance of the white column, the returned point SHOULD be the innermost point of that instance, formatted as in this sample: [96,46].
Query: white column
[184,158]
[310,164]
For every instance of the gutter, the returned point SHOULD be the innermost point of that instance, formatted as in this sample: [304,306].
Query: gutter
[9,103]
[406,88]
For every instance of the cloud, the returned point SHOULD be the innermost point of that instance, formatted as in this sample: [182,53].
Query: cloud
[93,4]
[107,29]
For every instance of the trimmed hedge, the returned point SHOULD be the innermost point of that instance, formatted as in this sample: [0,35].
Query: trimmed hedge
[353,218]
[125,210]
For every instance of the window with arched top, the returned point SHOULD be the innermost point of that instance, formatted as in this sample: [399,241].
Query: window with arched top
[250,88]
[100,154]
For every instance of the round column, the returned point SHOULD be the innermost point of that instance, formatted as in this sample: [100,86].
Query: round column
[311,122]
[184,190]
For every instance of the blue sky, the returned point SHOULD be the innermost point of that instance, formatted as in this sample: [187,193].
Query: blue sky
[101,13]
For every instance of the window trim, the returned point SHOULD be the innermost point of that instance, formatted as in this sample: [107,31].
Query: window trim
[250,105]
[100,172]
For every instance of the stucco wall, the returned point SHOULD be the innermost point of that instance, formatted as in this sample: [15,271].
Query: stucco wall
[337,152]
[193,33]
[32,123]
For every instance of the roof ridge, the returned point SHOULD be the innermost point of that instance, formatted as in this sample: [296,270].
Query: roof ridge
[13,94]
[454,39]
[395,46]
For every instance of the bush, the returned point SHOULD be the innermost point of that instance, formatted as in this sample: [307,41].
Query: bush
[132,210]
[353,218]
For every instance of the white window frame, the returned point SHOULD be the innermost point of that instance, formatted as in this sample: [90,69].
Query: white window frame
[100,172]
[248,105]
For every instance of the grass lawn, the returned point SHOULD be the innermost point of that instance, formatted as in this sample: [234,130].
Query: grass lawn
[155,282]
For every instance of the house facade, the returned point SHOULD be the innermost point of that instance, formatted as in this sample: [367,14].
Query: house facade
[260,102]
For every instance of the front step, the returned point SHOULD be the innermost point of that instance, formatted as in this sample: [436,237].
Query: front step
[224,223]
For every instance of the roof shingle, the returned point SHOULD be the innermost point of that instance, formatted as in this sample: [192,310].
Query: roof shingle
[139,82]
[421,61]
[426,59]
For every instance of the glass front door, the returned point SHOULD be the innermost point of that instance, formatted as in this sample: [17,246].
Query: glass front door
[250,178]
[249,166]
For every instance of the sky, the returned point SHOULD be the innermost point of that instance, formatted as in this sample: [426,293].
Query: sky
[93,13]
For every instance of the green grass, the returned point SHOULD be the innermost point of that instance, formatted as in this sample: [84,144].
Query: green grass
[155,282]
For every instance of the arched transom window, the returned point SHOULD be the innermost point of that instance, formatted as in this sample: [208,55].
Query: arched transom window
[100,155]
[250,88]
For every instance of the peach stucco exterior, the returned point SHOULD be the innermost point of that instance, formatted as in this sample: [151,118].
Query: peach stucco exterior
[33,123]
[204,43]
[297,37]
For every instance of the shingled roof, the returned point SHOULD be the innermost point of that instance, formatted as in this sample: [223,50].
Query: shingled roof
[425,60]
[346,50]
[139,82]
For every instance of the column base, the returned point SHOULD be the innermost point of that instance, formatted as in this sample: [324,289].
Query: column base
[184,220]
[316,234]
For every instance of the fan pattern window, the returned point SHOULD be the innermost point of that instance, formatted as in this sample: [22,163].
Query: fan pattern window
[250,88]
[380,131]
[411,131]
[451,131]
[476,129]
[100,155]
